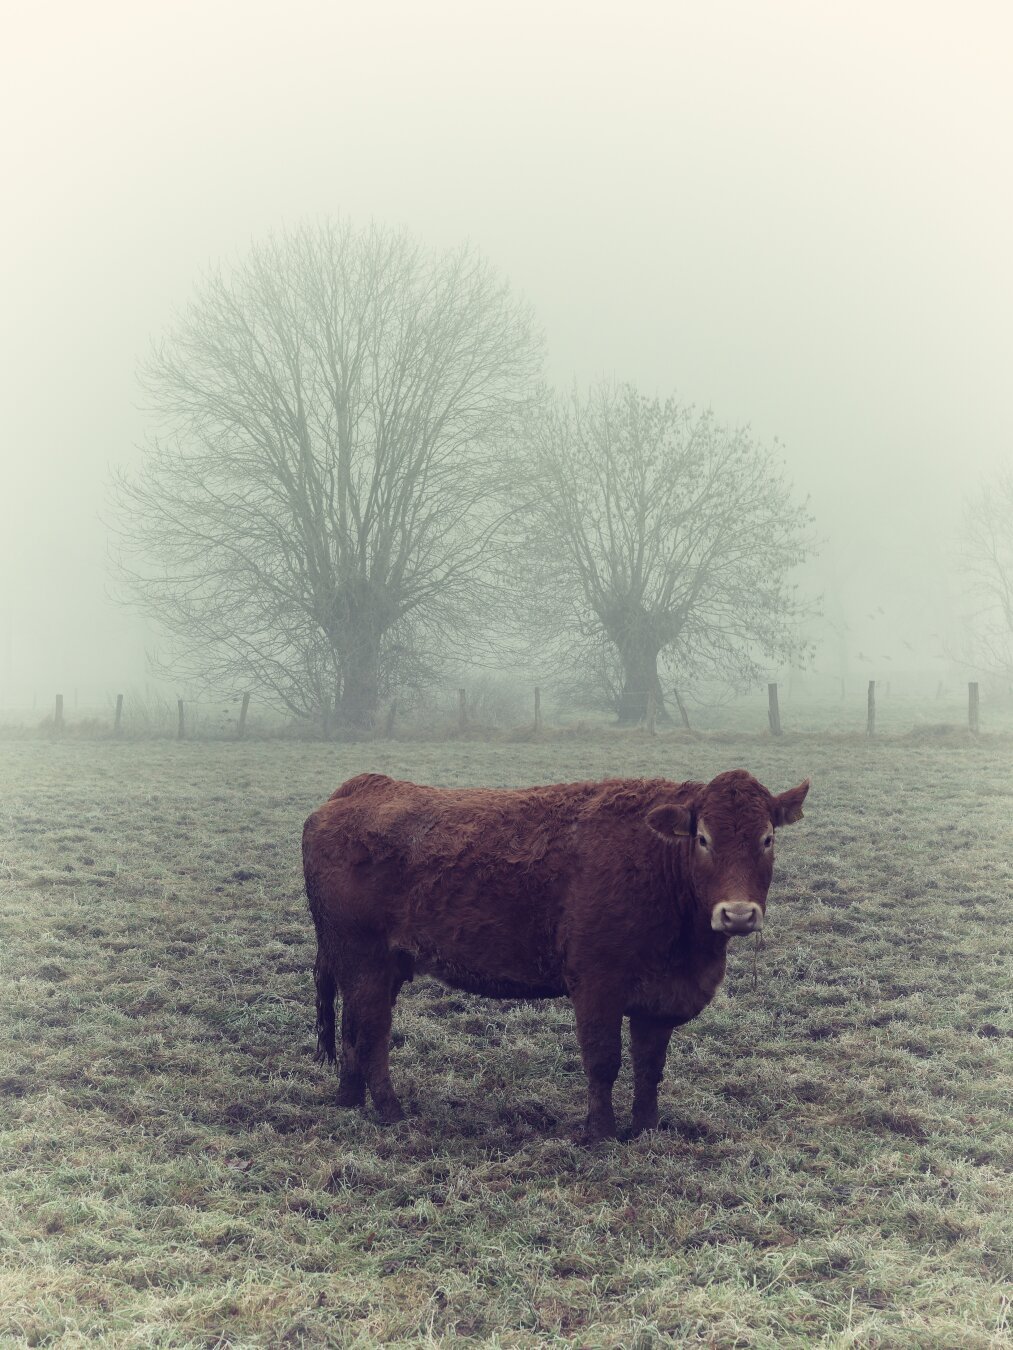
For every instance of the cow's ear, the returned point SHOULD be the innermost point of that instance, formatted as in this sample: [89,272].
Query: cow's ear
[671,822]
[788,806]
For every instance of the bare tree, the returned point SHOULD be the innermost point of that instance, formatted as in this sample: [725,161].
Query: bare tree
[659,547]
[986,559]
[317,515]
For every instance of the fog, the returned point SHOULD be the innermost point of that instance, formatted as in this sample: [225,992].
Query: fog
[796,215]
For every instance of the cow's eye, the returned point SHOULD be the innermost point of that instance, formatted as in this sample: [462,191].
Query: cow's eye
[768,841]
[702,841]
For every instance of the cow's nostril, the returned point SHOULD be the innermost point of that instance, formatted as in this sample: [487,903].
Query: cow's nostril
[737,917]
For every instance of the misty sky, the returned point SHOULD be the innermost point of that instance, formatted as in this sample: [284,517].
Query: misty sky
[797,213]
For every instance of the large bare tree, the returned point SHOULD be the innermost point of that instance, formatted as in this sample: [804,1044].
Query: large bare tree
[986,559]
[316,515]
[660,546]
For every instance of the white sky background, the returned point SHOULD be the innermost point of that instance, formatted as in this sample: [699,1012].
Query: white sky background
[797,213]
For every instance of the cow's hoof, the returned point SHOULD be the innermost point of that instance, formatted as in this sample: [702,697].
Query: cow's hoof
[595,1132]
[390,1113]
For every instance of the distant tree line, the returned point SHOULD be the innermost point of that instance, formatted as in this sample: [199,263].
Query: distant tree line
[359,473]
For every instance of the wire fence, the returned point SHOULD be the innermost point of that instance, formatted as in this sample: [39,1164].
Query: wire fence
[882,712]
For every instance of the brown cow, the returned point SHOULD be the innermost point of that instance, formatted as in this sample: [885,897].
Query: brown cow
[620,894]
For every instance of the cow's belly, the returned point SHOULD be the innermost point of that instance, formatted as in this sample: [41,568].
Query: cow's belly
[486,984]
[678,996]
[486,935]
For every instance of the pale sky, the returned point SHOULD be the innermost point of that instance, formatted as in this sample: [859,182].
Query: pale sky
[796,213]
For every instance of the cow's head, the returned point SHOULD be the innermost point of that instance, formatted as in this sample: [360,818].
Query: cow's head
[728,830]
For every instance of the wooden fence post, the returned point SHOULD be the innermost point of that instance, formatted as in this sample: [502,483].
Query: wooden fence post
[773,711]
[462,709]
[180,730]
[388,726]
[972,706]
[870,724]
[118,724]
[58,713]
[652,713]
[241,728]
[682,710]
[538,709]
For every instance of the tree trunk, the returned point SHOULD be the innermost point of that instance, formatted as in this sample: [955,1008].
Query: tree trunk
[361,612]
[360,686]
[640,677]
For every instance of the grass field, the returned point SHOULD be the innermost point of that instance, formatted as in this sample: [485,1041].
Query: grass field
[835,1167]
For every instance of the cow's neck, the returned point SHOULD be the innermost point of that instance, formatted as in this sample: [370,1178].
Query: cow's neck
[686,979]
[700,938]
[692,917]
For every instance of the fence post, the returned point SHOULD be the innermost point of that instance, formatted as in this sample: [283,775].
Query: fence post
[682,710]
[538,709]
[241,728]
[870,725]
[972,706]
[118,724]
[462,709]
[58,713]
[180,730]
[652,713]
[773,711]
[388,726]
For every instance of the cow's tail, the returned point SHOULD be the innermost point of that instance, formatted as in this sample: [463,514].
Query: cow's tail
[327,988]
[323,970]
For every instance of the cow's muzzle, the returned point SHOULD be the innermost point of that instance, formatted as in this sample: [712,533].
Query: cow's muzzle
[737,917]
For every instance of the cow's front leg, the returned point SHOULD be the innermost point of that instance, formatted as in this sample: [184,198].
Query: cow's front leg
[649,1039]
[599,1031]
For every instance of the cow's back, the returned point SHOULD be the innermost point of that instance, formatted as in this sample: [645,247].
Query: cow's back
[486,886]
[468,883]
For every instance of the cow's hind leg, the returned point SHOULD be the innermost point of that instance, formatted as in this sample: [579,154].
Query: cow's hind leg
[649,1042]
[352,1081]
[367,1001]
[599,1031]
[351,1084]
